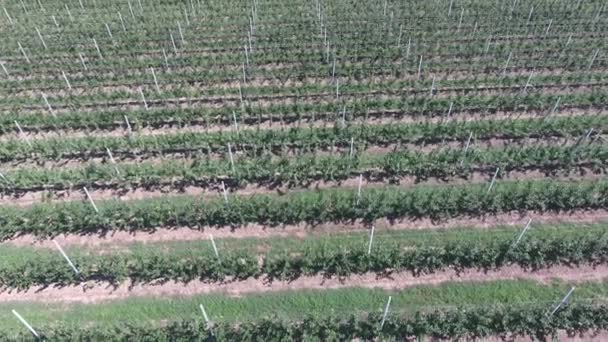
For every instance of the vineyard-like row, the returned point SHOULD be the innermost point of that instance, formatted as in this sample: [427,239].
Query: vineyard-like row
[413,156]
[336,258]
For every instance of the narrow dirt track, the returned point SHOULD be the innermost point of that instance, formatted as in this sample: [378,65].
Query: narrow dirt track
[166,234]
[99,292]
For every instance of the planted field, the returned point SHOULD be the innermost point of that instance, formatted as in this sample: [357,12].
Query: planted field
[321,170]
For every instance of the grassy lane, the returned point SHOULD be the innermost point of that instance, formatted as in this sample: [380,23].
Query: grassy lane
[294,305]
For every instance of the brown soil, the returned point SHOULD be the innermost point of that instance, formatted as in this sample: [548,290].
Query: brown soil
[99,292]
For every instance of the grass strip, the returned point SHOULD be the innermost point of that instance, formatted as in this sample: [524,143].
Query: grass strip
[499,307]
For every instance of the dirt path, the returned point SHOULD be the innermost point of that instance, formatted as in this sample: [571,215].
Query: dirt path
[166,234]
[99,292]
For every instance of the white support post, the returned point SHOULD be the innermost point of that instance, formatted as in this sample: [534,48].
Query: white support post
[371,241]
[556,105]
[131,9]
[4,68]
[493,179]
[129,129]
[41,38]
[246,55]
[409,46]
[155,80]
[231,157]
[23,136]
[359,188]
[186,16]
[563,301]
[97,48]
[236,124]
[333,69]
[530,15]
[597,51]
[109,31]
[140,6]
[55,21]
[67,82]
[588,134]
[420,67]
[528,81]
[447,117]
[400,35]
[143,97]
[69,13]
[521,235]
[173,43]
[10,20]
[48,105]
[166,59]
[113,161]
[225,192]
[504,70]
[204,313]
[90,199]
[450,9]
[352,148]
[217,255]
[65,256]
[548,27]
[250,39]
[122,22]
[82,61]
[181,34]
[337,89]
[460,21]
[4,178]
[433,87]
[27,325]
[466,148]
[344,116]
[388,304]
[488,42]
[81,5]
[23,52]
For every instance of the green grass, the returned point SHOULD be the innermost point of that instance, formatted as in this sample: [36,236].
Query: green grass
[292,305]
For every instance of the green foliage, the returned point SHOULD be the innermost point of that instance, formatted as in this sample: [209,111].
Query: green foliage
[478,322]
[312,207]
[151,265]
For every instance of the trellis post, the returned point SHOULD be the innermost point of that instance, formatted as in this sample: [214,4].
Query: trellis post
[65,256]
[27,325]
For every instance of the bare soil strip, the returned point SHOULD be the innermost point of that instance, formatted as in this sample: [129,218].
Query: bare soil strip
[166,234]
[99,292]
